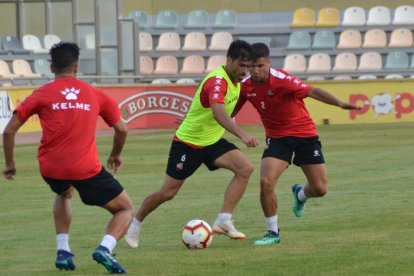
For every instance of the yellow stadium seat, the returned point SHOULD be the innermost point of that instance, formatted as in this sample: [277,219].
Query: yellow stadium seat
[328,17]
[303,17]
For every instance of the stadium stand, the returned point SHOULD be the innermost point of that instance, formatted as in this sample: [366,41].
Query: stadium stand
[354,16]
[319,62]
[324,39]
[379,16]
[295,63]
[22,68]
[12,45]
[342,77]
[215,61]
[49,40]
[32,43]
[401,38]
[195,41]
[166,19]
[370,61]
[403,15]
[140,17]
[350,39]
[397,60]
[345,62]
[166,65]
[193,65]
[299,40]
[303,17]
[145,42]
[146,65]
[316,78]
[169,41]
[42,67]
[5,71]
[220,41]
[367,77]
[328,17]
[375,38]
[197,19]
[394,76]
[225,19]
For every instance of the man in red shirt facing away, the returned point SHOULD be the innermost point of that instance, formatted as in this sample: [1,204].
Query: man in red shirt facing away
[68,110]
[278,97]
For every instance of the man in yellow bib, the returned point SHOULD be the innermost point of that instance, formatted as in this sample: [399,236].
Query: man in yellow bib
[199,140]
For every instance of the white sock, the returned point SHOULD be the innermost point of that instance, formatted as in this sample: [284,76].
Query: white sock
[62,241]
[224,217]
[271,223]
[109,242]
[301,195]
[134,226]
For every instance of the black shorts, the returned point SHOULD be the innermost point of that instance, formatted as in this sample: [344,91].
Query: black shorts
[97,190]
[184,160]
[307,150]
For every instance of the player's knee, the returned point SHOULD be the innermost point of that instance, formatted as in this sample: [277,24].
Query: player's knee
[168,195]
[266,185]
[321,190]
[246,170]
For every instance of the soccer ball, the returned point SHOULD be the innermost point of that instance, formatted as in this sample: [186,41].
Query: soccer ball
[197,234]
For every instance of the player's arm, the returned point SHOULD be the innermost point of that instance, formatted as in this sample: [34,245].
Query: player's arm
[326,97]
[238,107]
[227,122]
[115,160]
[9,135]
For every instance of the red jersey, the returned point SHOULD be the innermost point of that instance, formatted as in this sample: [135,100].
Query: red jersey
[68,110]
[280,104]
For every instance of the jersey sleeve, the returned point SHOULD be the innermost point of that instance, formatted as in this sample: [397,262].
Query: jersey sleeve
[215,89]
[109,111]
[29,106]
[293,85]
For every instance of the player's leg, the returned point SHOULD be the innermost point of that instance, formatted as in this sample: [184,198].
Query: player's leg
[317,180]
[237,162]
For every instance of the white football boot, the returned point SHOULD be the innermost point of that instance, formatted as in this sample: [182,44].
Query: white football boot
[227,228]
[132,236]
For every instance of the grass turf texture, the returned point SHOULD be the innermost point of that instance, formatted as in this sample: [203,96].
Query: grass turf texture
[363,226]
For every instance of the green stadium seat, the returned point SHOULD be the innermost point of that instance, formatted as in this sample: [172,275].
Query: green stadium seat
[225,19]
[324,39]
[299,40]
[166,19]
[197,19]
[397,60]
[42,67]
[140,17]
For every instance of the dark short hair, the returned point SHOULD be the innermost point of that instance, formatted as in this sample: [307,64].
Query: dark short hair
[260,50]
[64,54]
[240,49]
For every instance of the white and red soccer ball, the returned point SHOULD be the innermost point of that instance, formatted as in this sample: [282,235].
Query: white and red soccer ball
[197,234]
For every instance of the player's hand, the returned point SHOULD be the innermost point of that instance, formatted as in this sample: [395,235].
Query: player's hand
[349,106]
[250,141]
[9,172]
[114,163]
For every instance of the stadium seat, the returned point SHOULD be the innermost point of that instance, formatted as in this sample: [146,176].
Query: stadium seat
[197,19]
[350,39]
[401,38]
[319,62]
[342,77]
[299,40]
[315,78]
[145,42]
[397,60]
[370,61]
[12,45]
[404,15]
[328,17]
[161,81]
[295,63]
[345,62]
[139,17]
[213,62]
[354,16]
[166,19]
[146,65]
[166,65]
[220,41]
[185,80]
[32,43]
[379,16]
[225,19]
[193,65]
[324,39]
[5,71]
[375,38]
[393,76]
[42,67]
[22,68]
[367,77]
[49,40]
[169,41]
[303,17]
[195,41]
